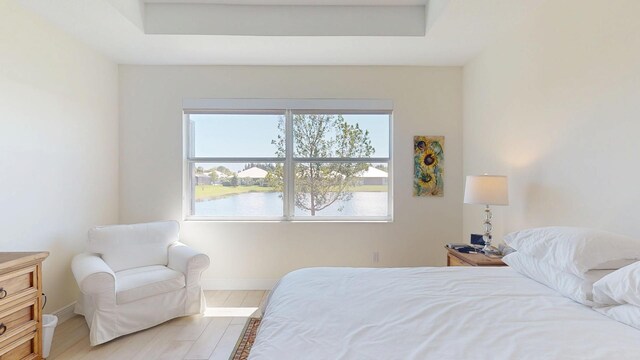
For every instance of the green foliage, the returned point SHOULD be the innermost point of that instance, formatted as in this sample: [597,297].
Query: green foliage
[213,175]
[231,181]
[318,185]
[211,192]
[225,170]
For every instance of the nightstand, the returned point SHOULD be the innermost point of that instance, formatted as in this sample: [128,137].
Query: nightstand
[455,258]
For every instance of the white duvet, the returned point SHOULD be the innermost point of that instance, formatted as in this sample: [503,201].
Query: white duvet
[432,313]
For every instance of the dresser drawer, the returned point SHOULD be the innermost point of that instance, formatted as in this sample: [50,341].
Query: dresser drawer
[14,321]
[18,284]
[23,348]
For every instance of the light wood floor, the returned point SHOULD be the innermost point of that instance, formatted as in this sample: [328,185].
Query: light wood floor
[209,336]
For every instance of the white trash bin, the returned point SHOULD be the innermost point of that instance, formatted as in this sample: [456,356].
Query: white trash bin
[49,323]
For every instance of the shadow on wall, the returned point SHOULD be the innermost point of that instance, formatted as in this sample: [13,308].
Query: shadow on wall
[553,206]
[57,278]
[579,174]
[541,201]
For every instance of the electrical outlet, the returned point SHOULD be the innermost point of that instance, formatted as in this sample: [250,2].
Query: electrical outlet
[376,257]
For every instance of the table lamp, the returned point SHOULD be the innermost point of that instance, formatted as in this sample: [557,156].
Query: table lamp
[486,190]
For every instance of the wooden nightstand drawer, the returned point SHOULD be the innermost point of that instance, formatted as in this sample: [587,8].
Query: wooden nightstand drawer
[454,261]
[18,284]
[455,258]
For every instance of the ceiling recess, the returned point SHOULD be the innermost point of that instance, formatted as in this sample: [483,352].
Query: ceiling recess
[284,20]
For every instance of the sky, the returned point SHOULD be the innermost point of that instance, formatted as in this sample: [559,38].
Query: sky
[235,135]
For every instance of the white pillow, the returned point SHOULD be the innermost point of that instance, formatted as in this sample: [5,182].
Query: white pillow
[576,250]
[569,285]
[620,287]
[627,314]
[129,246]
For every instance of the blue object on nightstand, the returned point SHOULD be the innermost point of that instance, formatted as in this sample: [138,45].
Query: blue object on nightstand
[476,239]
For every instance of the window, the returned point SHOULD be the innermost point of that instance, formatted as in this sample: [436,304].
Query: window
[278,160]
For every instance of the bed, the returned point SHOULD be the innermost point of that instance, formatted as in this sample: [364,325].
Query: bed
[432,313]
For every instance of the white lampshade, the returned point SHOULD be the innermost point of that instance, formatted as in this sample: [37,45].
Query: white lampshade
[486,190]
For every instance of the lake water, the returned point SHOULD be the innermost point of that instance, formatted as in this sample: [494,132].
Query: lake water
[270,204]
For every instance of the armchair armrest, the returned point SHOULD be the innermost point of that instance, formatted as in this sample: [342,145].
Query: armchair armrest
[93,275]
[188,261]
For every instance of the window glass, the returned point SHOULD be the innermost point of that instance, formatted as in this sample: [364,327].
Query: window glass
[235,190]
[325,135]
[235,135]
[341,189]
[241,166]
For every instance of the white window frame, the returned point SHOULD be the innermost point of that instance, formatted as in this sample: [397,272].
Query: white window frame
[287,108]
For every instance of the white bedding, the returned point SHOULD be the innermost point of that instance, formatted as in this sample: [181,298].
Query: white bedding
[432,313]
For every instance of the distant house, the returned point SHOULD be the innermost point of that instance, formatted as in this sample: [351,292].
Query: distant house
[221,175]
[209,168]
[373,176]
[252,176]
[203,179]
[253,173]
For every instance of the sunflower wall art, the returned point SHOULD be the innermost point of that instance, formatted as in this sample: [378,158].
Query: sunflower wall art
[428,165]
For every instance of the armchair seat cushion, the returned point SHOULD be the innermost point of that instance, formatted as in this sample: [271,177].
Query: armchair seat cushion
[139,283]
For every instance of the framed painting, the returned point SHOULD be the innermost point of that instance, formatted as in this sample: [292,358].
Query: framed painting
[428,165]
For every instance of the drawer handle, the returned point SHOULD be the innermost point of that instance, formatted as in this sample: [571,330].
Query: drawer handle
[3,329]
[3,293]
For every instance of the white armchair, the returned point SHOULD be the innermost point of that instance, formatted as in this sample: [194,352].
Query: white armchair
[136,276]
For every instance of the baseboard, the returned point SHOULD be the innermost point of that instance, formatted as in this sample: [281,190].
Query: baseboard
[238,284]
[65,313]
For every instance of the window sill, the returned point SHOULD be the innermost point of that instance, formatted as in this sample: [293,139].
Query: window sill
[285,221]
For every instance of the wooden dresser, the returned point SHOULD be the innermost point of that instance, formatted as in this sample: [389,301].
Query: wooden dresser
[21,305]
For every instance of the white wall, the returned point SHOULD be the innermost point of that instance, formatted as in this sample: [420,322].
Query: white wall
[428,101]
[556,106]
[58,144]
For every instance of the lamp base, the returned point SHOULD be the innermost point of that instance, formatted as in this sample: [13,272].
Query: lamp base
[490,250]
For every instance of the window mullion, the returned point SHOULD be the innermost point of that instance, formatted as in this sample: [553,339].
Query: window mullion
[289,168]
